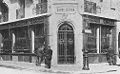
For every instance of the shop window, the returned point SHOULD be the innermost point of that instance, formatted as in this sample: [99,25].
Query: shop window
[89,7]
[91,40]
[106,36]
[22,40]
[39,35]
[7,41]
[100,40]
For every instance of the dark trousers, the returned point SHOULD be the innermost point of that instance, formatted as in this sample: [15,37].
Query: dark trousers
[48,62]
[39,60]
[111,59]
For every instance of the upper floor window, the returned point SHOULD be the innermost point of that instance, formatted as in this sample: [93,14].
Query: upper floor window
[41,7]
[3,12]
[101,0]
[89,6]
[20,13]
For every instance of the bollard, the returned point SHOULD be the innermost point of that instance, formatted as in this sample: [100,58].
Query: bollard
[85,60]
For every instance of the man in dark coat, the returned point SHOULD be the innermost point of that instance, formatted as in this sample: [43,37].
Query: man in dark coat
[110,56]
[39,55]
[48,57]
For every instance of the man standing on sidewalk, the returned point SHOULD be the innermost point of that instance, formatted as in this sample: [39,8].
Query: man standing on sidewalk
[48,57]
[39,55]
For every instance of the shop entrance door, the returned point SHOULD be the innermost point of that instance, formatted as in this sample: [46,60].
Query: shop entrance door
[65,44]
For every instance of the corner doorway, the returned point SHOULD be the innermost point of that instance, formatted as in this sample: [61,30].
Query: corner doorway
[66,53]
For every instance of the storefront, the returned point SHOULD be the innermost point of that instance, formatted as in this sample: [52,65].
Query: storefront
[101,39]
[24,35]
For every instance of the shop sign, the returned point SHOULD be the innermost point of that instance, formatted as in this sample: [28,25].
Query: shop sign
[99,20]
[106,22]
[65,9]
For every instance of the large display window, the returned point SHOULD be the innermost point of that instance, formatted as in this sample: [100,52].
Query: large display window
[22,39]
[100,39]
[39,32]
[6,40]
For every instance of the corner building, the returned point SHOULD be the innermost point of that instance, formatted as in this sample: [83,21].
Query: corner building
[71,27]
[76,25]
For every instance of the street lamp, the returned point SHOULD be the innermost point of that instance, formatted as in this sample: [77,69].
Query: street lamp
[85,52]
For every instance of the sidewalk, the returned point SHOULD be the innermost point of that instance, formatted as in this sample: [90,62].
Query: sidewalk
[94,68]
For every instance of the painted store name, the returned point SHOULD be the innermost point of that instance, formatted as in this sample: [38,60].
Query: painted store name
[65,10]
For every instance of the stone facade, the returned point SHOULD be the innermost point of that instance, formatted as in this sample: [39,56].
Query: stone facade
[71,12]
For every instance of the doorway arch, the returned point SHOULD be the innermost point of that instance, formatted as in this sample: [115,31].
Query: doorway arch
[66,44]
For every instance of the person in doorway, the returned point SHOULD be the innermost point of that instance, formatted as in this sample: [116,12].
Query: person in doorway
[48,57]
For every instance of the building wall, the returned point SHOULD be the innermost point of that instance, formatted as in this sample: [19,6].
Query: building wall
[75,20]
[13,5]
[107,9]
[117,30]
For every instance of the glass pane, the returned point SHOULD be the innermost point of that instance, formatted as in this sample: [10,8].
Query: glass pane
[7,41]
[39,30]
[39,35]
[91,39]
[105,38]
[22,41]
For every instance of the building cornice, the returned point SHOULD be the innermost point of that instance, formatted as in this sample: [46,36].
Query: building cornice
[100,16]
